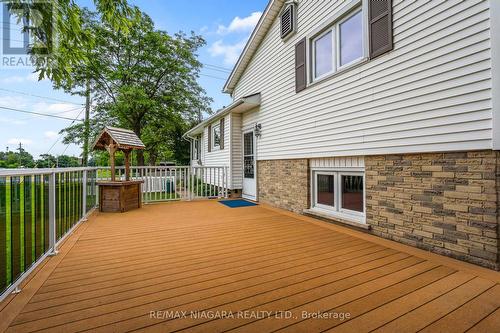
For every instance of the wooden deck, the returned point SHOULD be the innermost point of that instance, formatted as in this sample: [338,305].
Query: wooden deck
[182,266]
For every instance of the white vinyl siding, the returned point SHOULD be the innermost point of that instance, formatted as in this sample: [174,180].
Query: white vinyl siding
[249,119]
[431,93]
[338,162]
[237,151]
[217,157]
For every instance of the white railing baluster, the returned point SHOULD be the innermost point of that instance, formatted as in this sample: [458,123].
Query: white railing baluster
[52,214]
[84,193]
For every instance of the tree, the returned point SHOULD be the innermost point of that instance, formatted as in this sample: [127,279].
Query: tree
[144,80]
[21,159]
[60,41]
[65,161]
[61,161]
[46,161]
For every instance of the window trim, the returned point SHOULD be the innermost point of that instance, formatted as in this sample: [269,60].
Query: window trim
[337,211]
[195,145]
[214,146]
[315,193]
[363,37]
[333,25]
[313,56]
[348,211]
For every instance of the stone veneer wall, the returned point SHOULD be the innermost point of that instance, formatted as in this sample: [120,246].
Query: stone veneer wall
[446,203]
[284,183]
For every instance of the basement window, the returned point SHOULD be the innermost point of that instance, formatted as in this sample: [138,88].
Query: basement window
[339,193]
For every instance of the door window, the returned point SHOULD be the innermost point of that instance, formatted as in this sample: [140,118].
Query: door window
[248,156]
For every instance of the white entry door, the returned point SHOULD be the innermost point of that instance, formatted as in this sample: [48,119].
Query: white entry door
[249,175]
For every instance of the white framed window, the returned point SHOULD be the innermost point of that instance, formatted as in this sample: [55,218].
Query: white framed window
[339,193]
[352,193]
[339,46]
[325,196]
[323,54]
[196,149]
[215,136]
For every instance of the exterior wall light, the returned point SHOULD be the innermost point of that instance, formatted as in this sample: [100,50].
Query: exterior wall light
[258,130]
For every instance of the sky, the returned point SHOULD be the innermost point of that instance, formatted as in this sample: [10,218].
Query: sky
[224,24]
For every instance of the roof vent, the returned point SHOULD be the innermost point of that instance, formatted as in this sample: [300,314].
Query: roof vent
[288,20]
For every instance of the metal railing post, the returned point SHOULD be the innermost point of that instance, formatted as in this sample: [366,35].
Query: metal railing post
[84,194]
[52,214]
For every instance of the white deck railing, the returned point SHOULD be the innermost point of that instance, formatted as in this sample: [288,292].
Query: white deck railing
[40,207]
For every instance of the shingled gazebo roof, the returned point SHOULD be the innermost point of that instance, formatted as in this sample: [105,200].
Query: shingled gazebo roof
[123,139]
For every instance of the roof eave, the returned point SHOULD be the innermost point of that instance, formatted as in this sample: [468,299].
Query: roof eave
[250,101]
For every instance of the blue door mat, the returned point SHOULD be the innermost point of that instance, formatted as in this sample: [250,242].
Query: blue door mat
[237,203]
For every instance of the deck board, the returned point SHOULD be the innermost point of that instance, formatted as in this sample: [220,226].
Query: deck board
[203,256]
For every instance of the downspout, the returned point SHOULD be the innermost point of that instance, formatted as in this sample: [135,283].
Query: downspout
[190,140]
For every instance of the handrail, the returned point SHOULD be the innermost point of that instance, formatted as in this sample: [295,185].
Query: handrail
[41,171]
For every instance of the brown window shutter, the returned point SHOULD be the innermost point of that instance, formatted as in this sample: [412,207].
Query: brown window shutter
[222,133]
[300,66]
[380,27]
[209,138]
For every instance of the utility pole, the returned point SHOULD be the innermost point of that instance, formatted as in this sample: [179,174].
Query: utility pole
[20,152]
[86,130]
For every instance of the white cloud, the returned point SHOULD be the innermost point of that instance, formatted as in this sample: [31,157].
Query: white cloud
[230,52]
[13,101]
[16,141]
[32,77]
[12,121]
[50,134]
[61,109]
[239,24]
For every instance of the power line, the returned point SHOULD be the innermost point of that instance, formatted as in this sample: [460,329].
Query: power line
[60,136]
[216,69]
[38,96]
[215,66]
[37,113]
[213,77]
[55,113]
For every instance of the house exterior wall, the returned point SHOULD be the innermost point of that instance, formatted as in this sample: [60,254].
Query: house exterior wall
[232,154]
[431,93]
[218,158]
[284,183]
[417,120]
[442,202]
